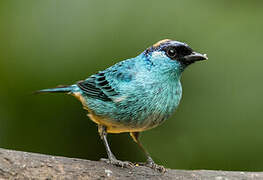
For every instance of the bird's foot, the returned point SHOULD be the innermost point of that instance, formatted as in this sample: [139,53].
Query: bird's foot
[151,164]
[156,167]
[116,162]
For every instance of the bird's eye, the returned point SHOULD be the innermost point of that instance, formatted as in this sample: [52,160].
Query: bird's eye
[171,52]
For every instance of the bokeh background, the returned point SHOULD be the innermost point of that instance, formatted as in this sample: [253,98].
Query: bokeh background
[51,42]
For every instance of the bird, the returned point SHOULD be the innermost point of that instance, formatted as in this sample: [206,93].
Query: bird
[136,94]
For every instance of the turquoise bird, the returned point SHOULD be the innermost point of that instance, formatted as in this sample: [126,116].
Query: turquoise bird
[136,94]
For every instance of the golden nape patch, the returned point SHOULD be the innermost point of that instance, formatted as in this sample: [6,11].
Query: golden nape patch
[160,42]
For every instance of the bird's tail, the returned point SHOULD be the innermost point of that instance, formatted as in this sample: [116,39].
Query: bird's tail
[59,89]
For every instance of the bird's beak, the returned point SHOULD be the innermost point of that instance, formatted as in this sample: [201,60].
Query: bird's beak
[195,56]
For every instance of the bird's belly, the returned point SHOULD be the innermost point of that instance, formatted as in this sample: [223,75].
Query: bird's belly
[136,122]
[114,126]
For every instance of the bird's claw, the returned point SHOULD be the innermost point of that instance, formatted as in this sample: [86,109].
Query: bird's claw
[116,162]
[154,166]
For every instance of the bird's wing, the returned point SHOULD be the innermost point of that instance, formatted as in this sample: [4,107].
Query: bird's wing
[97,86]
[108,84]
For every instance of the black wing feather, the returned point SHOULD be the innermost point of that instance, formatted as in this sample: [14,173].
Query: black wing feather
[97,87]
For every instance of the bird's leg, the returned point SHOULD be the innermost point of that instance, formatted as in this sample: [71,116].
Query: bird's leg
[149,162]
[103,136]
[112,159]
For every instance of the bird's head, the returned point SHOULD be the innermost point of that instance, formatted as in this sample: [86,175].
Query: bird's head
[172,54]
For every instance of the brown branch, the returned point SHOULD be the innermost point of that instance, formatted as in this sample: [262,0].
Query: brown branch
[23,165]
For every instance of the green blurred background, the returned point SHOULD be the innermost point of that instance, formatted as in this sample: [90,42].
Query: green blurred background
[50,42]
